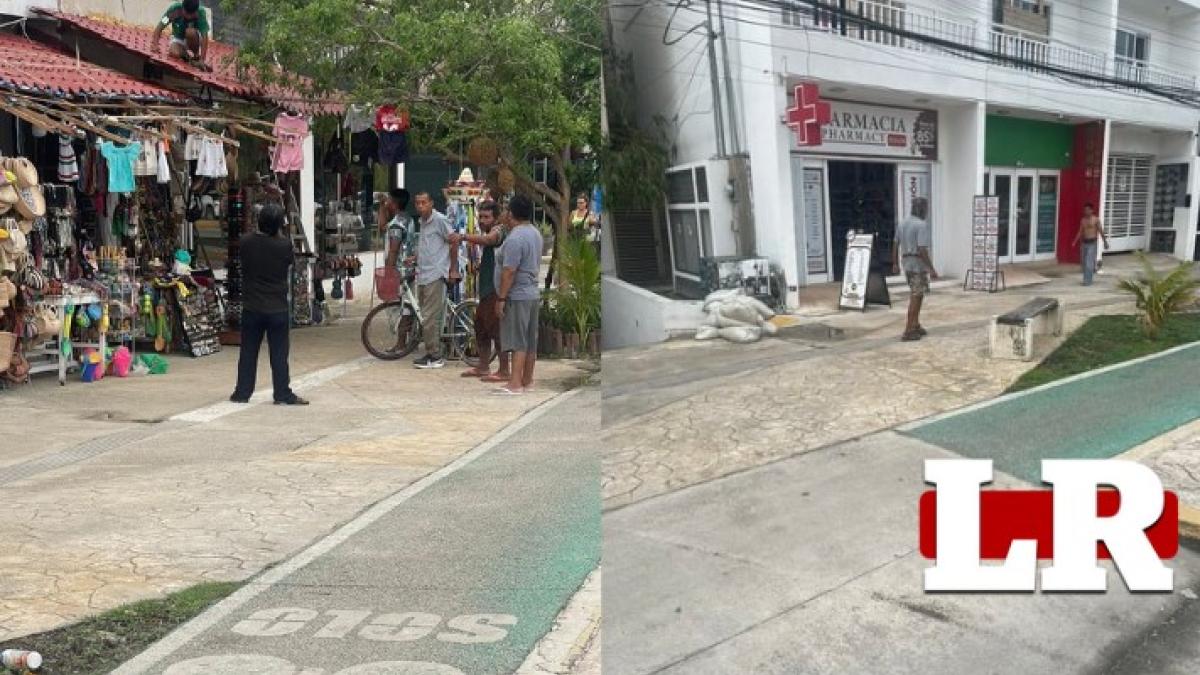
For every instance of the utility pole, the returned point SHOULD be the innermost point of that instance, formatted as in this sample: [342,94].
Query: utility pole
[715,83]
[730,100]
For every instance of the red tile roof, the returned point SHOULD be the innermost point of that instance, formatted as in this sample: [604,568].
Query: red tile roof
[32,67]
[221,56]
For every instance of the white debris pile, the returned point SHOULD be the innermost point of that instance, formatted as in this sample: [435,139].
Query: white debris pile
[736,317]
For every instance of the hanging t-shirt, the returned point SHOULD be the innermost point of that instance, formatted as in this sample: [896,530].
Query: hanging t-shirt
[147,161]
[68,166]
[120,165]
[288,155]
[212,159]
[335,156]
[164,168]
[191,149]
[392,126]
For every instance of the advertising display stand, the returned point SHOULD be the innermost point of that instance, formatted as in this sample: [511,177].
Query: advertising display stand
[985,273]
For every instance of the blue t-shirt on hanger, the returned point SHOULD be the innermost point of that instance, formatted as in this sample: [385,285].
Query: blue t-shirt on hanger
[120,165]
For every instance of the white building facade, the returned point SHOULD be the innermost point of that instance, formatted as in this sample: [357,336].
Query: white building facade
[1047,105]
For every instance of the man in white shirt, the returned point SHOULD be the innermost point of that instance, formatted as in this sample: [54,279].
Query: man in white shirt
[910,252]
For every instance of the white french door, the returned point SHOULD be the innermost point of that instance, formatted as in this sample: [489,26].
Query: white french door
[1028,213]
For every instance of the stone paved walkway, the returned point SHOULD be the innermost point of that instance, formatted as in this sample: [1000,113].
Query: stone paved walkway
[793,395]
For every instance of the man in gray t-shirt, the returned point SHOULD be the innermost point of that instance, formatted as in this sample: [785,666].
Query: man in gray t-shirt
[910,252]
[437,265]
[518,264]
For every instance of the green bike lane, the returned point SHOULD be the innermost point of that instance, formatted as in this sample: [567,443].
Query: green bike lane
[1095,415]
[462,572]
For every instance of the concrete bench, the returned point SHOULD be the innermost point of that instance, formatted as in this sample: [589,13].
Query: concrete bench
[1010,336]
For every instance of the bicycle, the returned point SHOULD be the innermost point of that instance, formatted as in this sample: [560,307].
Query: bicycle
[392,330]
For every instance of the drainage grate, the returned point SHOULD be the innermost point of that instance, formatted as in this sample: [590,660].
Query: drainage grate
[79,453]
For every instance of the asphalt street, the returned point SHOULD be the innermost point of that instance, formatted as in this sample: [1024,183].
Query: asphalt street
[462,572]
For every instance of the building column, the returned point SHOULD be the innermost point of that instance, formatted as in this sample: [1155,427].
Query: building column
[959,178]
[769,147]
[308,195]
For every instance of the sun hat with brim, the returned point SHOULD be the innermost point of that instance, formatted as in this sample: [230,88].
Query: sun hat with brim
[25,225]
[24,170]
[32,203]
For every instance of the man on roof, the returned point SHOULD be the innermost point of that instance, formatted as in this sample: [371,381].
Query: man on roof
[189,31]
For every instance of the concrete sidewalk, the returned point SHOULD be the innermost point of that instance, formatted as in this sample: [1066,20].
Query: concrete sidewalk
[129,489]
[810,566]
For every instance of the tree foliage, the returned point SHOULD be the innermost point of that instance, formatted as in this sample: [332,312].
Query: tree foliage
[523,74]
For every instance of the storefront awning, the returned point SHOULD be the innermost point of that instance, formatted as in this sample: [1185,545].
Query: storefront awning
[226,76]
[31,67]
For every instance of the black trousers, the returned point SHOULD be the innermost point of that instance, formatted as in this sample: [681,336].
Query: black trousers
[276,328]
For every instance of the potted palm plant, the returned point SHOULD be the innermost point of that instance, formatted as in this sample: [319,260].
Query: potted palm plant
[578,298]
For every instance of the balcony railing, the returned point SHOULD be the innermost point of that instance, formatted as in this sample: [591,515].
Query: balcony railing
[876,22]
[1033,51]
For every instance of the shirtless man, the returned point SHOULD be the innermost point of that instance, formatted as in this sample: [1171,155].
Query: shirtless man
[1090,231]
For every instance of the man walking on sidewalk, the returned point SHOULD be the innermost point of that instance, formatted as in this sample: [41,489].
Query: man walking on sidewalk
[1091,231]
[437,266]
[910,251]
[518,296]
[487,321]
[266,262]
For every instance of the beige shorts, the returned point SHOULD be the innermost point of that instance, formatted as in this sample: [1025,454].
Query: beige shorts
[918,282]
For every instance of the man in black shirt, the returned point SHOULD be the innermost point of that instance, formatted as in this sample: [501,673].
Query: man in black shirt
[266,259]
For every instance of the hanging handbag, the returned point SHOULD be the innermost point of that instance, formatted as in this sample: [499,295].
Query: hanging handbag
[337,288]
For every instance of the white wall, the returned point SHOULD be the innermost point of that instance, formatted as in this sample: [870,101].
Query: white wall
[672,81]
[1172,32]
[633,316]
[908,73]
[956,182]
[1088,24]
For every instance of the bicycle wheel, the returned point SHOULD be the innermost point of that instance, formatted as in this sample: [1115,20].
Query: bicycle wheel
[391,331]
[458,334]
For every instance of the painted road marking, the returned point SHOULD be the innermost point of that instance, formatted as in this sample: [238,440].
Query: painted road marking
[301,384]
[269,578]
[258,664]
[467,629]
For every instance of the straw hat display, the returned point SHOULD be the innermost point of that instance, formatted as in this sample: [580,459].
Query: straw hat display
[31,203]
[8,190]
[483,152]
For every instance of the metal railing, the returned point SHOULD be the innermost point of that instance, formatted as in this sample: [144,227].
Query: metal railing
[1035,51]
[875,21]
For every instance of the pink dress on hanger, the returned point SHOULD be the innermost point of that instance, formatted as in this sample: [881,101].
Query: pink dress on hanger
[288,155]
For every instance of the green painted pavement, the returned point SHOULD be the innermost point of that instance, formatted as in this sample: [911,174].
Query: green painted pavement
[1094,417]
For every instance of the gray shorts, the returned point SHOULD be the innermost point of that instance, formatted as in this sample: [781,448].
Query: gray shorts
[519,327]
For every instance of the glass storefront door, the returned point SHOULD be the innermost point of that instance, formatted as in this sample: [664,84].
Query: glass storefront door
[1028,213]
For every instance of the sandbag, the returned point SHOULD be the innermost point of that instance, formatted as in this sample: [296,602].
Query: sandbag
[742,335]
[769,328]
[763,310]
[707,333]
[723,321]
[739,310]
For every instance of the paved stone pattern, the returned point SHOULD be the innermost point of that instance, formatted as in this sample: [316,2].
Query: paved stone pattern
[220,501]
[768,414]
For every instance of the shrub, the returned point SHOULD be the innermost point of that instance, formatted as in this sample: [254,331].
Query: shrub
[1160,294]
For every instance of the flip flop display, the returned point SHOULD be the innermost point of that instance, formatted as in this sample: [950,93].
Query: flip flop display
[65,338]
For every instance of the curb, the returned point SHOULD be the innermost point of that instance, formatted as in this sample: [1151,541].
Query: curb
[1189,522]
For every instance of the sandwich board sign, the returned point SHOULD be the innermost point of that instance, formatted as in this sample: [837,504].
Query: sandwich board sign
[862,281]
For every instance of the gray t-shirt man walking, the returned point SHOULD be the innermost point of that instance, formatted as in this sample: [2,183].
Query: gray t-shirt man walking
[518,267]
[437,265]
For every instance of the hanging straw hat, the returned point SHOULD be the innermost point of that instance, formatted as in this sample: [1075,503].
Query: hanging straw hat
[31,205]
[506,179]
[24,170]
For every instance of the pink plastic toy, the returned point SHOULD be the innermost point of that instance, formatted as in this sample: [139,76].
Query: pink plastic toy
[122,361]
